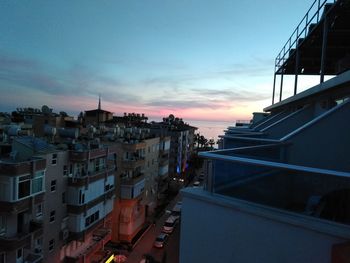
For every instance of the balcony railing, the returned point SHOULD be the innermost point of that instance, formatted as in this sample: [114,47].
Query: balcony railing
[18,168]
[312,16]
[270,182]
[80,179]
[133,162]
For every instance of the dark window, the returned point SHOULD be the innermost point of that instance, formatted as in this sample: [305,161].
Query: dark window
[65,170]
[23,187]
[53,185]
[63,197]
[19,253]
[39,210]
[54,158]
[51,244]
[52,215]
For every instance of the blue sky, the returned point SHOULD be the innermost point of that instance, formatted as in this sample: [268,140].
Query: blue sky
[198,59]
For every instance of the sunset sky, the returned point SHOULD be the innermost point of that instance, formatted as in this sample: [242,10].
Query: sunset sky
[197,59]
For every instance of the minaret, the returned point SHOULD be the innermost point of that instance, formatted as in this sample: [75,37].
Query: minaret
[98,110]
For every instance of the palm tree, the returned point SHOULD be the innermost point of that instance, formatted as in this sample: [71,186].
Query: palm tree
[211,142]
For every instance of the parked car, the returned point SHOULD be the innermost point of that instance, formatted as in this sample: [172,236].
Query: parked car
[169,224]
[196,183]
[161,240]
[176,212]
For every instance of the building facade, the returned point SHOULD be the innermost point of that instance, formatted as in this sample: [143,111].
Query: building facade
[279,190]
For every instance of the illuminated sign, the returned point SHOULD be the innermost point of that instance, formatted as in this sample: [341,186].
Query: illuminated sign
[110,259]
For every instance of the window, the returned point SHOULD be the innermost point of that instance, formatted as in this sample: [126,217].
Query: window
[37,182]
[39,210]
[51,244]
[81,197]
[19,253]
[54,159]
[92,218]
[23,187]
[65,170]
[2,225]
[53,185]
[70,169]
[52,215]
[63,197]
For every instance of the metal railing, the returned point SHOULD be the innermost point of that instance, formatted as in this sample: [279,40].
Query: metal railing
[312,16]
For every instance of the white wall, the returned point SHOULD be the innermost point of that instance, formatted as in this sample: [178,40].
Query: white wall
[217,231]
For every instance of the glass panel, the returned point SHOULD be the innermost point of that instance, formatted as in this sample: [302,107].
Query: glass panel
[37,185]
[23,189]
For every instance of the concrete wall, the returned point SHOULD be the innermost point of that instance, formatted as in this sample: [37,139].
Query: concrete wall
[269,120]
[233,234]
[323,143]
[53,202]
[289,123]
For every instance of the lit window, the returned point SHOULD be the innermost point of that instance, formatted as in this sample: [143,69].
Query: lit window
[51,244]
[53,185]
[52,216]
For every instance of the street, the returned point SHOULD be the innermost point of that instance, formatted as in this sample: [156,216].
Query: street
[145,245]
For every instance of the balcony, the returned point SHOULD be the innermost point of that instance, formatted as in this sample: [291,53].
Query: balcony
[10,168]
[93,246]
[256,205]
[34,258]
[132,187]
[81,156]
[133,163]
[260,176]
[81,179]
[21,239]
[133,147]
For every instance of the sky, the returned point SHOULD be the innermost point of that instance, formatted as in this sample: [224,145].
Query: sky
[197,59]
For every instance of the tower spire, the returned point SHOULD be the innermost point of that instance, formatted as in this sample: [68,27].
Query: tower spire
[99,110]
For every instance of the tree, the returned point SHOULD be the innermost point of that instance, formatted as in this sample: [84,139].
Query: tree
[211,142]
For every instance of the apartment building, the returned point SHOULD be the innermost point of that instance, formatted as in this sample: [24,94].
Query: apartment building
[66,199]
[137,159]
[181,143]
[279,190]
[163,172]
[22,192]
